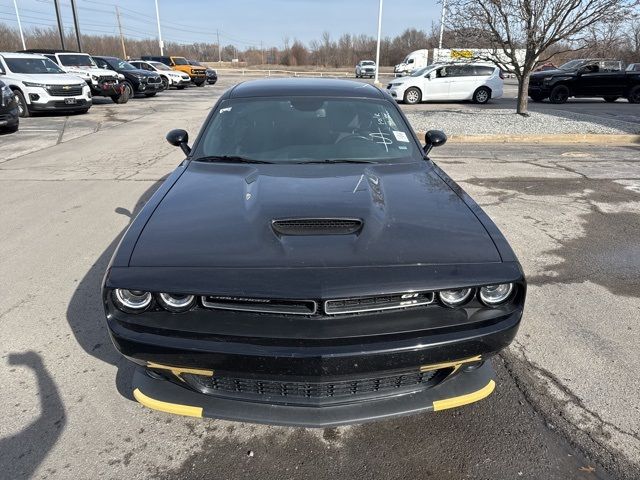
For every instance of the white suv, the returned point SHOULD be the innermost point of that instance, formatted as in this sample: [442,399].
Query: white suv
[366,68]
[40,85]
[102,82]
[170,77]
[470,81]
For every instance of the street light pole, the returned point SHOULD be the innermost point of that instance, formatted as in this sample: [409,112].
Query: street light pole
[378,45]
[59,18]
[444,9]
[159,33]
[75,23]
[24,45]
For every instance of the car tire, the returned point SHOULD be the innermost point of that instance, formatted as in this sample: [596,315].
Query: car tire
[165,83]
[127,92]
[634,95]
[537,98]
[23,108]
[610,99]
[199,83]
[150,94]
[412,96]
[559,94]
[482,95]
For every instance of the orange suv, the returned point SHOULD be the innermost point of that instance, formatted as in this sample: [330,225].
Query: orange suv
[198,74]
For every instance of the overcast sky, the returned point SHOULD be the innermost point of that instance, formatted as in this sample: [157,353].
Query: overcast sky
[241,22]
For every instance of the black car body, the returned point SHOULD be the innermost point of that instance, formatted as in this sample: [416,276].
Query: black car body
[212,75]
[586,78]
[136,79]
[9,116]
[312,288]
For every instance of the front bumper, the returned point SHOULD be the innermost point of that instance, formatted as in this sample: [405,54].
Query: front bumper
[60,105]
[538,91]
[106,89]
[149,87]
[9,117]
[182,82]
[462,389]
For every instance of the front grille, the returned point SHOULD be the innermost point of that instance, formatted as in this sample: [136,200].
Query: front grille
[154,80]
[276,391]
[317,226]
[261,305]
[107,79]
[378,302]
[65,90]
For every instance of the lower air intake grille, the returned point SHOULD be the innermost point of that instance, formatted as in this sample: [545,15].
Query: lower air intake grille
[287,392]
[317,226]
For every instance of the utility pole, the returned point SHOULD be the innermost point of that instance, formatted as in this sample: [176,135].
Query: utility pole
[24,45]
[219,49]
[159,33]
[59,18]
[378,45]
[75,23]
[444,8]
[124,50]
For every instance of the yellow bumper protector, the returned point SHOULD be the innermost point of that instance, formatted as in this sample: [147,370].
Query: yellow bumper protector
[465,399]
[455,364]
[178,370]
[167,407]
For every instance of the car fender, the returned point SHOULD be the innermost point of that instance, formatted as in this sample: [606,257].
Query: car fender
[13,86]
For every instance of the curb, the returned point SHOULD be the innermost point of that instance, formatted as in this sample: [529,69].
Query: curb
[609,139]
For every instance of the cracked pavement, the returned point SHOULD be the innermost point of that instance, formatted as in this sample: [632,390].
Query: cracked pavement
[566,405]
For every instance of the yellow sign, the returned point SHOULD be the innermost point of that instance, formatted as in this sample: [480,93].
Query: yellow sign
[457,54]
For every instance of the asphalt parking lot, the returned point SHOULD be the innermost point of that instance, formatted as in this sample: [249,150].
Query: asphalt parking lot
[566,405]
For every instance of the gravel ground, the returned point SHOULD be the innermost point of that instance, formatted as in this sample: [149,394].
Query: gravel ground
[503,121]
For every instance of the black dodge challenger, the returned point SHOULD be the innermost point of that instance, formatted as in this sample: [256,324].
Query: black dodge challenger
[308,264]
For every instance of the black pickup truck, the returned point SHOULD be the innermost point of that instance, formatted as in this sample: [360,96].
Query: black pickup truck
[586,78]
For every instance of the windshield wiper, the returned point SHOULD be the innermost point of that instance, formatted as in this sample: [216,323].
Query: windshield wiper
[229,159]
[337,160]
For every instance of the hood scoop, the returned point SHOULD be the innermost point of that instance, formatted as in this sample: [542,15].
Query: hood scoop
[317,226]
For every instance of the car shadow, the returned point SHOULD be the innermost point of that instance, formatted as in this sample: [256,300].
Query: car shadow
[85,312]
[22,453]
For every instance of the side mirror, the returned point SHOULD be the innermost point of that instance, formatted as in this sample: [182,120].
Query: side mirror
[179,138]
[434,138]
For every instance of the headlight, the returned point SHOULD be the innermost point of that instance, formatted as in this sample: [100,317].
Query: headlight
[31,84]
[120,76]
[132,301]
[495,294]
[93,77]
[395,84]
[453,298]
[176,303]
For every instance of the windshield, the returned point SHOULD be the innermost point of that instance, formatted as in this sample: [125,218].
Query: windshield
[77,61]
[122,65]
[367,63]
[308,129]
[160,66]
[573,64]
[179,61]
[193,62]
[32,65]
[422,71]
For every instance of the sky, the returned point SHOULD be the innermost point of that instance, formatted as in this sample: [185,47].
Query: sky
[243,23]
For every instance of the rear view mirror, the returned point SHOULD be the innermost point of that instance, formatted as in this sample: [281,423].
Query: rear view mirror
[434,138]
[179,138]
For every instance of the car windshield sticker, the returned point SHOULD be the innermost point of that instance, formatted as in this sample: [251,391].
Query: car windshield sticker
[227,109]
[400,136]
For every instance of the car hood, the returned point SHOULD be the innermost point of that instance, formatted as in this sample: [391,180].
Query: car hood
[98,72]
[52,79]
[549,73]
[219,215]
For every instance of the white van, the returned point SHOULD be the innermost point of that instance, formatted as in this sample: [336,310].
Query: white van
[41,85]
[470,81]
[414,61]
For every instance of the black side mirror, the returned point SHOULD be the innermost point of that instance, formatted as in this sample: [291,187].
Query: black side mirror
[434,138]
[179,138]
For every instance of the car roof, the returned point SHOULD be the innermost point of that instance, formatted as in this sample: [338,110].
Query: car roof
[106,57]
[50,51]
[304,87]
[20,55]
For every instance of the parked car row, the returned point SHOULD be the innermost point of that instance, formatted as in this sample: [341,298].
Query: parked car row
[40,80]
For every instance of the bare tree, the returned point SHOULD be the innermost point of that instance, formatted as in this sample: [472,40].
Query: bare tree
[533,25]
